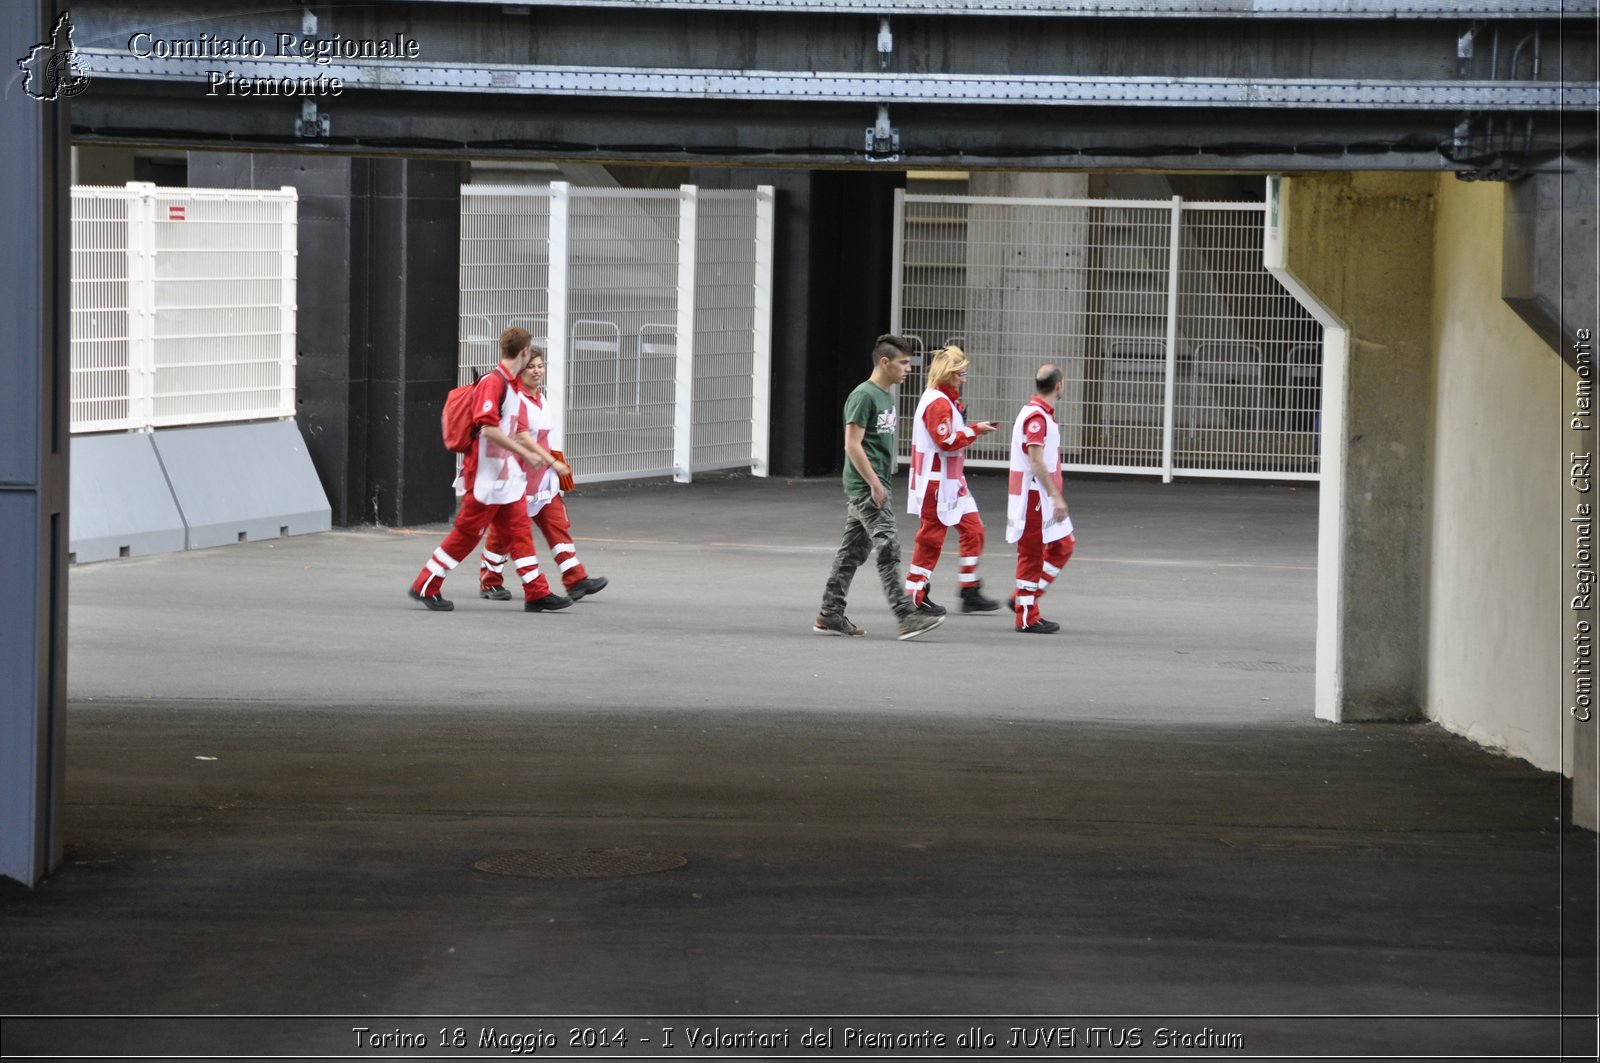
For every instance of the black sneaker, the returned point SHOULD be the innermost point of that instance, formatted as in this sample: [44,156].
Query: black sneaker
[592,585]
[495,594]
[973,601]
[929,607]
[1040,627]
[549,603]
[436,602]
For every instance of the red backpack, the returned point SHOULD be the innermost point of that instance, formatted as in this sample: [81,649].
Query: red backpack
[459,431]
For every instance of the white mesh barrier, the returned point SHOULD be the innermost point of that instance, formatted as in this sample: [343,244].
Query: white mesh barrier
[622,277]
[651,307]
[183,306]
[100,375]
[725,335]
[505,272]
[1196,362]
[1249,367]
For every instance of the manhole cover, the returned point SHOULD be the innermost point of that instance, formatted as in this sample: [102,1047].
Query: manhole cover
[1267,666]
[579,863]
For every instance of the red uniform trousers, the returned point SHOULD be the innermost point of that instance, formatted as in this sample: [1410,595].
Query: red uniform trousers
[929,544]
[556,527]
[509,521]
[1038,562]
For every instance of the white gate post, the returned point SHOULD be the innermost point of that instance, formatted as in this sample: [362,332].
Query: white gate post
[897,248]
[683,388]
[557,349]
[1172,340]
[1333,439]
[761,382]
[288,300]
[141,304]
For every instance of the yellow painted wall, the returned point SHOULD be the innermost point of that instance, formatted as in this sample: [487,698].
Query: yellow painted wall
[1494,605]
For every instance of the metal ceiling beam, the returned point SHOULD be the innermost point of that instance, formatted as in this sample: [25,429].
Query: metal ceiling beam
[1388,10]
[807,83]
[242,77]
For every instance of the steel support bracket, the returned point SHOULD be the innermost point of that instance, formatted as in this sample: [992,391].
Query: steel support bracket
[311,123]
[883,140]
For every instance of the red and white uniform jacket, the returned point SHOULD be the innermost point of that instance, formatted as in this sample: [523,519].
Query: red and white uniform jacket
[1036,426]
[543,483]
[939,435]
[493,474]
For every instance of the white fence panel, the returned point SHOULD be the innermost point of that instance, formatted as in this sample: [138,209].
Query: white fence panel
[183,306]
[653,330]
[622,275]
[726,247]
[505,271]
[1181,353]
[1252,357]
[101,376]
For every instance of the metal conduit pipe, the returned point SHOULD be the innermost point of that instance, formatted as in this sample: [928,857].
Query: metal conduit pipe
[1516,55]
[1527,135]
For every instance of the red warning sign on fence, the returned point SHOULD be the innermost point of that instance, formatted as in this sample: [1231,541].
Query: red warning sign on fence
[175,212]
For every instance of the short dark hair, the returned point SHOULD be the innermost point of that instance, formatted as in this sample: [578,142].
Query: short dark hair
[889,346]
[1047,379]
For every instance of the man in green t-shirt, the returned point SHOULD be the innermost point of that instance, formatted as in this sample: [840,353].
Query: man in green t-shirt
[869,419]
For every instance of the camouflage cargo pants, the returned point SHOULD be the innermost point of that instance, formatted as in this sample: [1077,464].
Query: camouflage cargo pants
[866,527]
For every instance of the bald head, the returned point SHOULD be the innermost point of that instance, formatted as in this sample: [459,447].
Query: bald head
[1048,379]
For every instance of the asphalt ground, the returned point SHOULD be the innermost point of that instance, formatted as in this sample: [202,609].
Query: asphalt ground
[281,772]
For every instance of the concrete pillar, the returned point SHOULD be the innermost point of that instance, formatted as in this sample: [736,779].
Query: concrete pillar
[1548,261]
[379,293]
[407,322]
[35,438]
[1363,244]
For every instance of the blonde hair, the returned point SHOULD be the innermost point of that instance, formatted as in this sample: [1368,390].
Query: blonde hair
[947,362]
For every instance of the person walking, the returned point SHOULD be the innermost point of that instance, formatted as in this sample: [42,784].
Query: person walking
[869,425]
[938,490]
[1036,510]
[546,509]
[492,485]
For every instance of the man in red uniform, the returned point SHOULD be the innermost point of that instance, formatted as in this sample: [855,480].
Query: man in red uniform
[1036,510]
[938,493]
[545,506]
[492,485]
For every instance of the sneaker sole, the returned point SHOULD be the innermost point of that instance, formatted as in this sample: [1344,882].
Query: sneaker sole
[904,635]
[836,634]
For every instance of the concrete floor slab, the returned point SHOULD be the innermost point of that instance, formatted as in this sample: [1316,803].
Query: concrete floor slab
[281,772]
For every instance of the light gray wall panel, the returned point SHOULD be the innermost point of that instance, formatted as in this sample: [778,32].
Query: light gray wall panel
[120,499]
[249,480]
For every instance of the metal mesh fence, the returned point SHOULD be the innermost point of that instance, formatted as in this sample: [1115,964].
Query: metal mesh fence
[100,373]
[623,296]
[505,273]
[183,306]
[724,344]
[639,309]
[221,349]
[1249,357]
[1180,351]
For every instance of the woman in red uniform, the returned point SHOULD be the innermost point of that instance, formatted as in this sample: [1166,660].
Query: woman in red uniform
[940,435]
